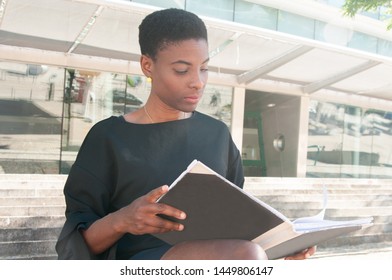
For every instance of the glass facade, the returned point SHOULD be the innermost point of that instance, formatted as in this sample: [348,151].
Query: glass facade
[46,112]
[31,99]
[222,9]
[342,141]
[296,25]
[258,15]
[163,3]
[364,42]
[349,142]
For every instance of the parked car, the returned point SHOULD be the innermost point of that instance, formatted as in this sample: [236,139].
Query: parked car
[120,96]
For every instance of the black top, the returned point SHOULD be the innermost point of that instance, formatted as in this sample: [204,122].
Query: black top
[121,161]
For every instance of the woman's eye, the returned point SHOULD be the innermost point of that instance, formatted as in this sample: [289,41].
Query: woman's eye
[180,71]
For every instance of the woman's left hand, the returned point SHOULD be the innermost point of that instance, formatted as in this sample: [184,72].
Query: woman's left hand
[305,254]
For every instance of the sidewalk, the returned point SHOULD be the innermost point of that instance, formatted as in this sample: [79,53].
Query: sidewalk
[364,252]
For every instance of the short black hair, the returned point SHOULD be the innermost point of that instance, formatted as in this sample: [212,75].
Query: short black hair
[167,26]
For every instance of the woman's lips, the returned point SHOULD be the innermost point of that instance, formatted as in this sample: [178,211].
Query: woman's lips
[192,99]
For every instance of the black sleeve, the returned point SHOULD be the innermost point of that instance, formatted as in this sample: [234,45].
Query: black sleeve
[87,193]
[235,170]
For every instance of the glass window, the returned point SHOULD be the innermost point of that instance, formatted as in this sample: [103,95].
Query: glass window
[94,96]
[334,3]
[217,102]
[363,42]
[253,157]
[223,9]
[295,24]
[256,15]
[30,118]
[332,34]
[271,134]
[348,142]
[163,3]
[384,47]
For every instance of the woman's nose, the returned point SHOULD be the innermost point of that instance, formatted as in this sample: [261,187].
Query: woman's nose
[198,81]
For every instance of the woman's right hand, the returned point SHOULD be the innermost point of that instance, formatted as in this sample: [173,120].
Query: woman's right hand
[141,216]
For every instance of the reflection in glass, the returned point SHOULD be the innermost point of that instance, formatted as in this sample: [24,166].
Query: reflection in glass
[217,103]
[94,96]
[255,14]
[363,42]
[296,24]
[348,142]
[252,146]
[223,9]
[163,3]
[30,118]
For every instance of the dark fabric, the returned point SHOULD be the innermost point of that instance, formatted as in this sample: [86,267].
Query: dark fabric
[152,254]
[120,161]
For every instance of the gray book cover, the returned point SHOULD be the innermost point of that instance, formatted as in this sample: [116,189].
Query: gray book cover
[217,209]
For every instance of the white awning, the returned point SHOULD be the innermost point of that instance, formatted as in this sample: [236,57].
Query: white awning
[103,35]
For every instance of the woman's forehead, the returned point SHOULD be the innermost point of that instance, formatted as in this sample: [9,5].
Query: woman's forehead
[185,48]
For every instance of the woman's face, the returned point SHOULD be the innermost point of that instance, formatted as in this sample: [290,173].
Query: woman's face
[179,74]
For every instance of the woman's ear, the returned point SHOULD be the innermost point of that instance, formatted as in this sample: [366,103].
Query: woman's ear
[146,64]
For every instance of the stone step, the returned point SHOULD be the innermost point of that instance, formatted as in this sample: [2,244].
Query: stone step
[317,192]
[290,202]
[47,256]
[32,201]
[319,182]
[30,192]
[357,240]
[31,184]
[290,210]
[29,234]
[353,250]
[32,222]
[27,250]
[32,209]
[336,212]
[47,210]
[52,180]
[294,197]
[331,204]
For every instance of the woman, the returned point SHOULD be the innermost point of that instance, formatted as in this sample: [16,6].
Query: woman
[125,163]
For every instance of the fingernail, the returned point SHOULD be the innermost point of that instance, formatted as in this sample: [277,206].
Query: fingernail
[180,227]
[182,215]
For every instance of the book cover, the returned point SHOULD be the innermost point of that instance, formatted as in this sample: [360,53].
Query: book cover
[218,209]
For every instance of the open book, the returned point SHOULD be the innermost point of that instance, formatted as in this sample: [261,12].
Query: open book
[218,209]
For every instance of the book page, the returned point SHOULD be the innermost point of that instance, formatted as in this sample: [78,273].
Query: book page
[317,222]
[320,216]
[276,236]
[325,224]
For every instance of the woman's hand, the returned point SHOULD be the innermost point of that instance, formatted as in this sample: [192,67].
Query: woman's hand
[141,216]
[305,254]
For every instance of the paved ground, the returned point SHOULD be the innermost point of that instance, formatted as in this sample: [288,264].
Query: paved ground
[366,252]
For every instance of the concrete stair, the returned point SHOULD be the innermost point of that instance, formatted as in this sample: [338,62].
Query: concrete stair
[346,199]
[32,210]
[31,215]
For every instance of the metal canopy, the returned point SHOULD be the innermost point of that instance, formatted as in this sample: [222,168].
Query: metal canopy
[103,35]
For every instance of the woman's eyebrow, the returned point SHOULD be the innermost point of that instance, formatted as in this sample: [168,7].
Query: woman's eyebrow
[188,63]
